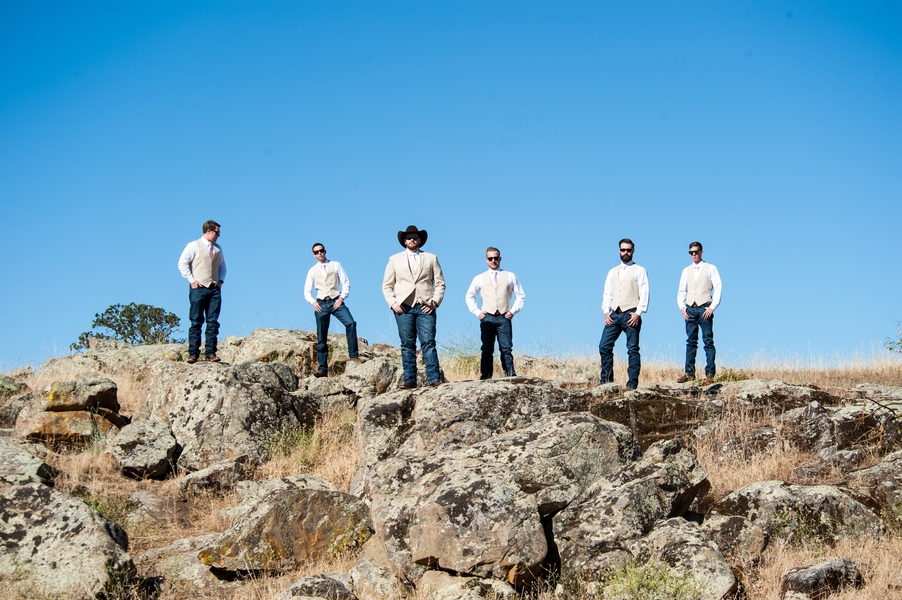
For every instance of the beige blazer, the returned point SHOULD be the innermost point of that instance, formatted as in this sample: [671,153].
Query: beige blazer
[402,287]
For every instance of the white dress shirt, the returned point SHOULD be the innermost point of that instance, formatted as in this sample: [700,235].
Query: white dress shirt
[190,253]
[516,291]
[693,271]
[310,283]
[607,298]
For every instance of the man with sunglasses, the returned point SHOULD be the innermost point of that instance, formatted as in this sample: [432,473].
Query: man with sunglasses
[203,265]
[496,288]
[625,299]
[324,278]
[699,294]
[413,287]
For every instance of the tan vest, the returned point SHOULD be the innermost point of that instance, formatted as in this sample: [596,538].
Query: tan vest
[496,298]
[205,269]
[698,291]
[326,285]
[625,292]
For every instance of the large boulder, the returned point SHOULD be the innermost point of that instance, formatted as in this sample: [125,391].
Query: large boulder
[438,585]
[815,582]
[880,487]
[863,425]
[9,409]
[289,526]
[681,545]
[114,359]
[72,428]
[479,510]
[178,563]
[18,466]
[801,513]
[591,533]
[85,394]
[216,411]
[737,537]
[144,449]
[54,545]
[326,586]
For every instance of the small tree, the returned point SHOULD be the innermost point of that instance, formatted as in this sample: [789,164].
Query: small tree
[895,345]
[132,323]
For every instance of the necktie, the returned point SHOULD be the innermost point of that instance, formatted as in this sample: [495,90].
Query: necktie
[211,250]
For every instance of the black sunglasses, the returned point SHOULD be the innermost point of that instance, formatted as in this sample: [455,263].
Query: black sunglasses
[493,258]
[320,251]
[694,252]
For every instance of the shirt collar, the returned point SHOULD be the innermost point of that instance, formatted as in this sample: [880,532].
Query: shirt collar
[417,251]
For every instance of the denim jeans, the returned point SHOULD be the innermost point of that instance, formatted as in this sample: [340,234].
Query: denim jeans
[322,330]
[606,348]
[412,324]
[205,304]
[693,324]
[491,327]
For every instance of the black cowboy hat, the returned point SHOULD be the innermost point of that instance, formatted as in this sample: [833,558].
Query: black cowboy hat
[412,229]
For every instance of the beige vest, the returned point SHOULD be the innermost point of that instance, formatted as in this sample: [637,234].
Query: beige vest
[625,291]
[326,285]
[496,298]
[699,291]
[205,269]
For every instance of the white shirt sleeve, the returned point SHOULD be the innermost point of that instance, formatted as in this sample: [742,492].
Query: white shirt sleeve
[607,298]
[714,276]
[683,290]
[343,278]
[642,280]
[472,291]
[310,286]
[188,255]
[519,294]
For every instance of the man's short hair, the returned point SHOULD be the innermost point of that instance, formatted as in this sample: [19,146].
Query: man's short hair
[627,241]
[210,226]
[490,248]
[313,247]
[694,244]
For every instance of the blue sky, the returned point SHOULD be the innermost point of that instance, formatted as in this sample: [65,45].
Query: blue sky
[770,131]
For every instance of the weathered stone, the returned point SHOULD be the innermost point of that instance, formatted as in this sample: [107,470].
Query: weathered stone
[218,477]
[251,492]
[590,533]
[144,449]
[111,358]
[684,547]
[22,374]
[328,586]
[374,582]
[823,579]
[773,394]
[178,562]
[736,537]
[13,396]
[94,392]
[217,412]
[880,487]
[289,526]
[52,544]
[478,510]
[863,425]
[438,585]
[19,467]
[800,512]
[72,428]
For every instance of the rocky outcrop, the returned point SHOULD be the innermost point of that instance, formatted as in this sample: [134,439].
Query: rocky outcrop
[19,467]
[478,510]
[54,545]
[144,449]
[800,512]
[438,585]
[736,537]
[110,358]
[216,411]
[289,526]
[71,413]
[593,531]
[328,586]
[178,562]
[12,399]
[880,487]
[218,477]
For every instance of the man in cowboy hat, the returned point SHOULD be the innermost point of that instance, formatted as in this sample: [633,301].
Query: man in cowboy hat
[413,287]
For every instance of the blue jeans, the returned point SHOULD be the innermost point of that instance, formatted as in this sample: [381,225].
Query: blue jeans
[205,304]
[322,330]
[491,327]
[606,348]
[692,326]
[412,324]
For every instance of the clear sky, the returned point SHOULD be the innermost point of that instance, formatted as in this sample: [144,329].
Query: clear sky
[770,131]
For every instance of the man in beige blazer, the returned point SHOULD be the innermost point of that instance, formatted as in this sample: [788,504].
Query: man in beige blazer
[413,287]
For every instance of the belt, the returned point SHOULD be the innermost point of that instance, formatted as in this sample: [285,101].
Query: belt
[628,310]
[705,305]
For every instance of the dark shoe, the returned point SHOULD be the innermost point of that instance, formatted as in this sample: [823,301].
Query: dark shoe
[320,373]
[355,359]
[191,360]
[213,358]
[408,385]
[436,383]
[628,388]
[684,379]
